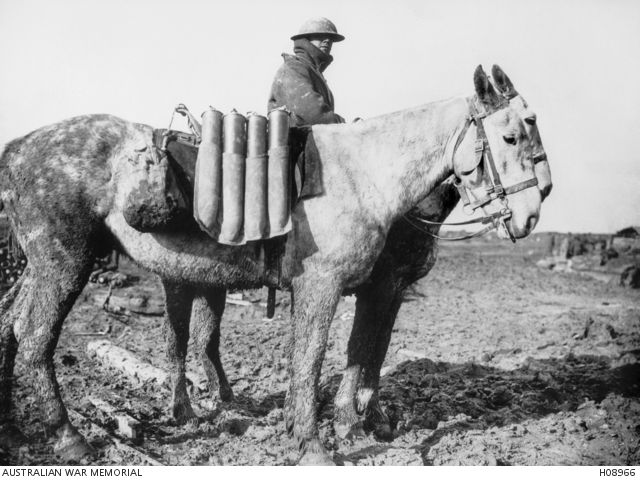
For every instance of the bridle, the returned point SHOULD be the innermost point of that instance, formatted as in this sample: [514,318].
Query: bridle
[495,189]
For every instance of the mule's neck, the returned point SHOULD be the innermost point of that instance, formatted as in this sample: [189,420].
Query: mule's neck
[409,153]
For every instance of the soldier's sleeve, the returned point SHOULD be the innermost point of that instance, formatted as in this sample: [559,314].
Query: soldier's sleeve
[307,104]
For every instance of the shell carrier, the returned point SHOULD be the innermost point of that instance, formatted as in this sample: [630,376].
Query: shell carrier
[239,173]
[495,190]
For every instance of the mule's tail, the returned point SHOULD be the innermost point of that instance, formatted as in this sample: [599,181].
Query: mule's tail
[9,150]
[10,245]
[3,163]
[8,298]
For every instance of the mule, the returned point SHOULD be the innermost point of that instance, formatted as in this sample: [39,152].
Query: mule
[63,190]
[408,256]
[409,253]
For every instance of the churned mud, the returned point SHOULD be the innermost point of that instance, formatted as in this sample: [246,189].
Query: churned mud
[493,361]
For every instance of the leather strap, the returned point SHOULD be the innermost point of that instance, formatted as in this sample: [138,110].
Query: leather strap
[492,220]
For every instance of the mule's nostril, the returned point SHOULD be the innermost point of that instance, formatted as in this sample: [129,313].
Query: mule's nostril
[532,221]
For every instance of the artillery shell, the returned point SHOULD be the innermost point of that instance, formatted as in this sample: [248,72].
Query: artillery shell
[208,183]
[233,168]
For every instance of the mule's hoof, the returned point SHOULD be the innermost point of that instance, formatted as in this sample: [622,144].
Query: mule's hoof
[184,414]
[320,459]
[226,394]
[72,447]
[382,431]
[349,431]
[11,436]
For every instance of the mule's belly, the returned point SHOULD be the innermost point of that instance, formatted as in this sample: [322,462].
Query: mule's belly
[191,258]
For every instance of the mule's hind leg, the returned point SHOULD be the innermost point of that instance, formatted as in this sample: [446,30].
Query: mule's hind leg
[206,315]
[9,433]
[50,288]
[178,298]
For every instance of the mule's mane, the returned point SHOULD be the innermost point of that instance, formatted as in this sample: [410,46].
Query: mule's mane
[420,109]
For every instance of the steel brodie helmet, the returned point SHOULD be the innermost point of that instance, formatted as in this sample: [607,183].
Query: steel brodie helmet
[319,26]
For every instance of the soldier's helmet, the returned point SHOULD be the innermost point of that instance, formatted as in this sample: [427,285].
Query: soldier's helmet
[319,26]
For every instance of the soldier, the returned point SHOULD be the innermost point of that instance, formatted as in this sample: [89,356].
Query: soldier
[299,84]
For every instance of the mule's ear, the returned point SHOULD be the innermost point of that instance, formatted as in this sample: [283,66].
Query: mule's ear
[485,91]
[503,83]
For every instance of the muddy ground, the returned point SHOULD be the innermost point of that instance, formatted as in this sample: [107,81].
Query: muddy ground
[492,361]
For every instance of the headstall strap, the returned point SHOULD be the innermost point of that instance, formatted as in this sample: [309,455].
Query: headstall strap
[496,189]
[541,157]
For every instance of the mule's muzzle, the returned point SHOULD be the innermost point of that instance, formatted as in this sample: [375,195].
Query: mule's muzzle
[522,221]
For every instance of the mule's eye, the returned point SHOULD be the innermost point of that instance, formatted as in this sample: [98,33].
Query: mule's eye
[530,120]
[510,139]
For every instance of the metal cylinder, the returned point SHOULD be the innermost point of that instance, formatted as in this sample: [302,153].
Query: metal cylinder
[256,220]
[234,133]
[279,183]
[233,172]
[256,135]
[278,127]
[208,182]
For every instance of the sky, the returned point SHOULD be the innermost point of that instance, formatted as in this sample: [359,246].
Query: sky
[577,63]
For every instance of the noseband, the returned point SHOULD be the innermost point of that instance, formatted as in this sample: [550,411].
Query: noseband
[494,191]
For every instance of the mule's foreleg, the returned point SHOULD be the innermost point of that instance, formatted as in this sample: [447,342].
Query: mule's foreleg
[206,316]
[178,299]
[347,423]
[373,311]
[314,303]
[368,396]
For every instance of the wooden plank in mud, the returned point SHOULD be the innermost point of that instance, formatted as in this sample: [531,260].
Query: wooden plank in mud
[130,365]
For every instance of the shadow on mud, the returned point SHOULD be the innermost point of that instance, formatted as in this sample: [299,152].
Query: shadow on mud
[446,397]
[422,393]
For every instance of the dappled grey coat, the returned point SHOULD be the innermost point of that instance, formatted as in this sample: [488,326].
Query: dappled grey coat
[300,86]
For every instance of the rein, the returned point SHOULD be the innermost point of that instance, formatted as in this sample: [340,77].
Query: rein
[495,190]
[415,220]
